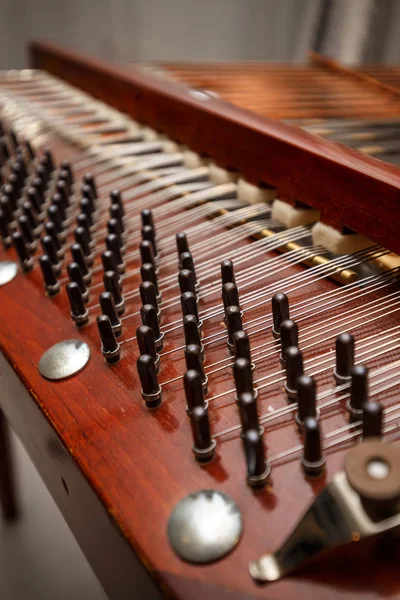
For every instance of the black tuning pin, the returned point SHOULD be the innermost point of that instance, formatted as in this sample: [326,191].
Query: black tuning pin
[107,306]
[358,392]
[186,281]
[243,375]
[30,150]
[51,283]
[233,318]
[62,190]
[227,272]
[147,218]
[148,314]
[189,306]
[294,368]
[241,346]
[146,343]
[372,420]
[151,389]
[66,166]
[79,312]
[22,250]
[306,399]
[88,197]
[114,226]
[148,234]
[27,232]
[109,345]
[64,177]
[39,186]
[55,216]
[112,285]
[4,231]
[4,151]
[344,358]
[146,253]
[148,295]
[258,468]
[115,213]
[42,173]
[116,200]
[313,458]
[78,257]
[280,313]
[108,261]
[75,275]
[6,207]
[186,262]
[89,180]
[83,220]
[35,199]
[289,334]
[49,158]
[28,211]
[181,243]
[248,412]
[82,238]
[50,249]
[203,445]
[194,390]
[112,244]
[51,230]
[87,209]
[192,333]
[148,273]
[230,295]
[194,362]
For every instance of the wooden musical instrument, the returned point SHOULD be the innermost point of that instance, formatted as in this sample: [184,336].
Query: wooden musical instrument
[107,172]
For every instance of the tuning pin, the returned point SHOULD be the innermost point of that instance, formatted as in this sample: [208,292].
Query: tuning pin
[151,389]
[243,375]
[51,283]
[35,199]
[79,312]
[75,275]
[109,344]
[51,230]
[313,458]
[233,317]
[4,231]
[116,200]
[114,227]
[194,362]
[111,284]
[192,333]
[64,176]
[13,138]
[148,273]
[358,392]
[146,253]
[372,420]
[23,251]
[148,295]
[54,215]
[78,257]
[186,262]
[89,199]
[113,245]
[19,171]
[49,248]
[83,220]
[280,313]
[6,207]
[115,213]
[247,403]
[230,295]
[227,272]
[306,399]
[241,346]
[181,243]
[147,218]
[49,158]
[87,209]
[149,235]
[108,261]
[4,151]
[66,166]
[42,173]
[62,190]
[149,317]
[107,306]
[258,468]
[27,232]
[203,445]
[294,368]
[12,194]
[28,212]
[82,238]
[289,334]
[30,150]
[194,390]
[147,345]
[344,358]
[89,180]
[189,306]
[186,281]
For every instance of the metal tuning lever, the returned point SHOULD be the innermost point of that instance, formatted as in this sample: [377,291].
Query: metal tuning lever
[360,502]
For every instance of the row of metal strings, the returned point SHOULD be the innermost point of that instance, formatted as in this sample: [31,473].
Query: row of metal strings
[252,265]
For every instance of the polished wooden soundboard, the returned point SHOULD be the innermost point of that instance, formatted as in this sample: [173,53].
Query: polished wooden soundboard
[117,469]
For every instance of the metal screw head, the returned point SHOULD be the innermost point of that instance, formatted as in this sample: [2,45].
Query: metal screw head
[204,526]
[64,359]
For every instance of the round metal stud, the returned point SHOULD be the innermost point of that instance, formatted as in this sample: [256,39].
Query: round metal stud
[8,271]
[64,359]
[204,526]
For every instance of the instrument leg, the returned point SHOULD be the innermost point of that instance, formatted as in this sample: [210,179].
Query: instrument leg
[8,499]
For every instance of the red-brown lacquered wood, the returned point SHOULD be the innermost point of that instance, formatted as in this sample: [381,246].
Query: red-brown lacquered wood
[351,189]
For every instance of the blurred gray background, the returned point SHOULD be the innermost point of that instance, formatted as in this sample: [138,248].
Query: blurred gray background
[140,30]
[39,559]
